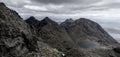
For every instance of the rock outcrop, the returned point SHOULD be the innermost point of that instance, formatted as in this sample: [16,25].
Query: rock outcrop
[12,33]
[16,37]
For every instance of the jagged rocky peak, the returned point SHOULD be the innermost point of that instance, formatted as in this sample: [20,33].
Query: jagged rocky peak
[85,21]
[69,20]
[6,11]
[67,23]
[54,35]
[32,21]
[47,21]
[2,4]
[39,24]
[83,28]
[31,18]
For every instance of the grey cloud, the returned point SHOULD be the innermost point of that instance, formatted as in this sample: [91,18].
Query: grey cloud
[69,6]
[67,1]
[113,5]
[112,30]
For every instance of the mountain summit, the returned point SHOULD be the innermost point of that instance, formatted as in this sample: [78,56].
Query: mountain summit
[54,35]
[85,29]
[32,21]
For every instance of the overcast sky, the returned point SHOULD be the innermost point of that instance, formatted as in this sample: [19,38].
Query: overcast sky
[96,9]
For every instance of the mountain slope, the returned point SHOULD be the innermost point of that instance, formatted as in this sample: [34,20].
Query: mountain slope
[84,29]
[54,35]
[79,38]
[13,32]
[16,38]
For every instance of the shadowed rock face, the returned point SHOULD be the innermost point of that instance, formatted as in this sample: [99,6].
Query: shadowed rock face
[54,35]
[83,29]
[32,20]
[16,37]
[67,23]
[13,32]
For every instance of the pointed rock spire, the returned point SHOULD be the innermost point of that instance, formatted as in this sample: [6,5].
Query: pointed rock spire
[67,23]
[47,19]
[32,21]
[2,4]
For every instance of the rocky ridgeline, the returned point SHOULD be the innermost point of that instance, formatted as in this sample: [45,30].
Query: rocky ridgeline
[76,38]
[17,39]
[54,35]
[85,29]
[46,38]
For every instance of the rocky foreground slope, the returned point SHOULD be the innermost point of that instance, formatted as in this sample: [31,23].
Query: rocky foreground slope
[17,39]
[46,38]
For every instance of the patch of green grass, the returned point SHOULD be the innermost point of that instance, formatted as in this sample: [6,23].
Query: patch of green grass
[29,55]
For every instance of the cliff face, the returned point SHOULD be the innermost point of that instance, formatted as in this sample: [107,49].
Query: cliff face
[12,32]
[16,38]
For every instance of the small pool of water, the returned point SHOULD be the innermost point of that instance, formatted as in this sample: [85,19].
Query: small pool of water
[88,44]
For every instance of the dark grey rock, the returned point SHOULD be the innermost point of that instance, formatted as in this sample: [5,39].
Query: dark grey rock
[17,38]
[85,29]
[15,35]
[54,35]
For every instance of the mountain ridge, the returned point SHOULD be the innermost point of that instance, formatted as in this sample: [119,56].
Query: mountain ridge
[17,39]
[47,38]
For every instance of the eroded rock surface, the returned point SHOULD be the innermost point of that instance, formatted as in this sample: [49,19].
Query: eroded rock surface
[17,38]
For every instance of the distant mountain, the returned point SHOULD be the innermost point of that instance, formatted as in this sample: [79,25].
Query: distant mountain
[54,35]
[72,36]
[67,23]
[85,29]
[32,20]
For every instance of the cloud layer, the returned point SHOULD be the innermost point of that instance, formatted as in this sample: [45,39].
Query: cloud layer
[81,8]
